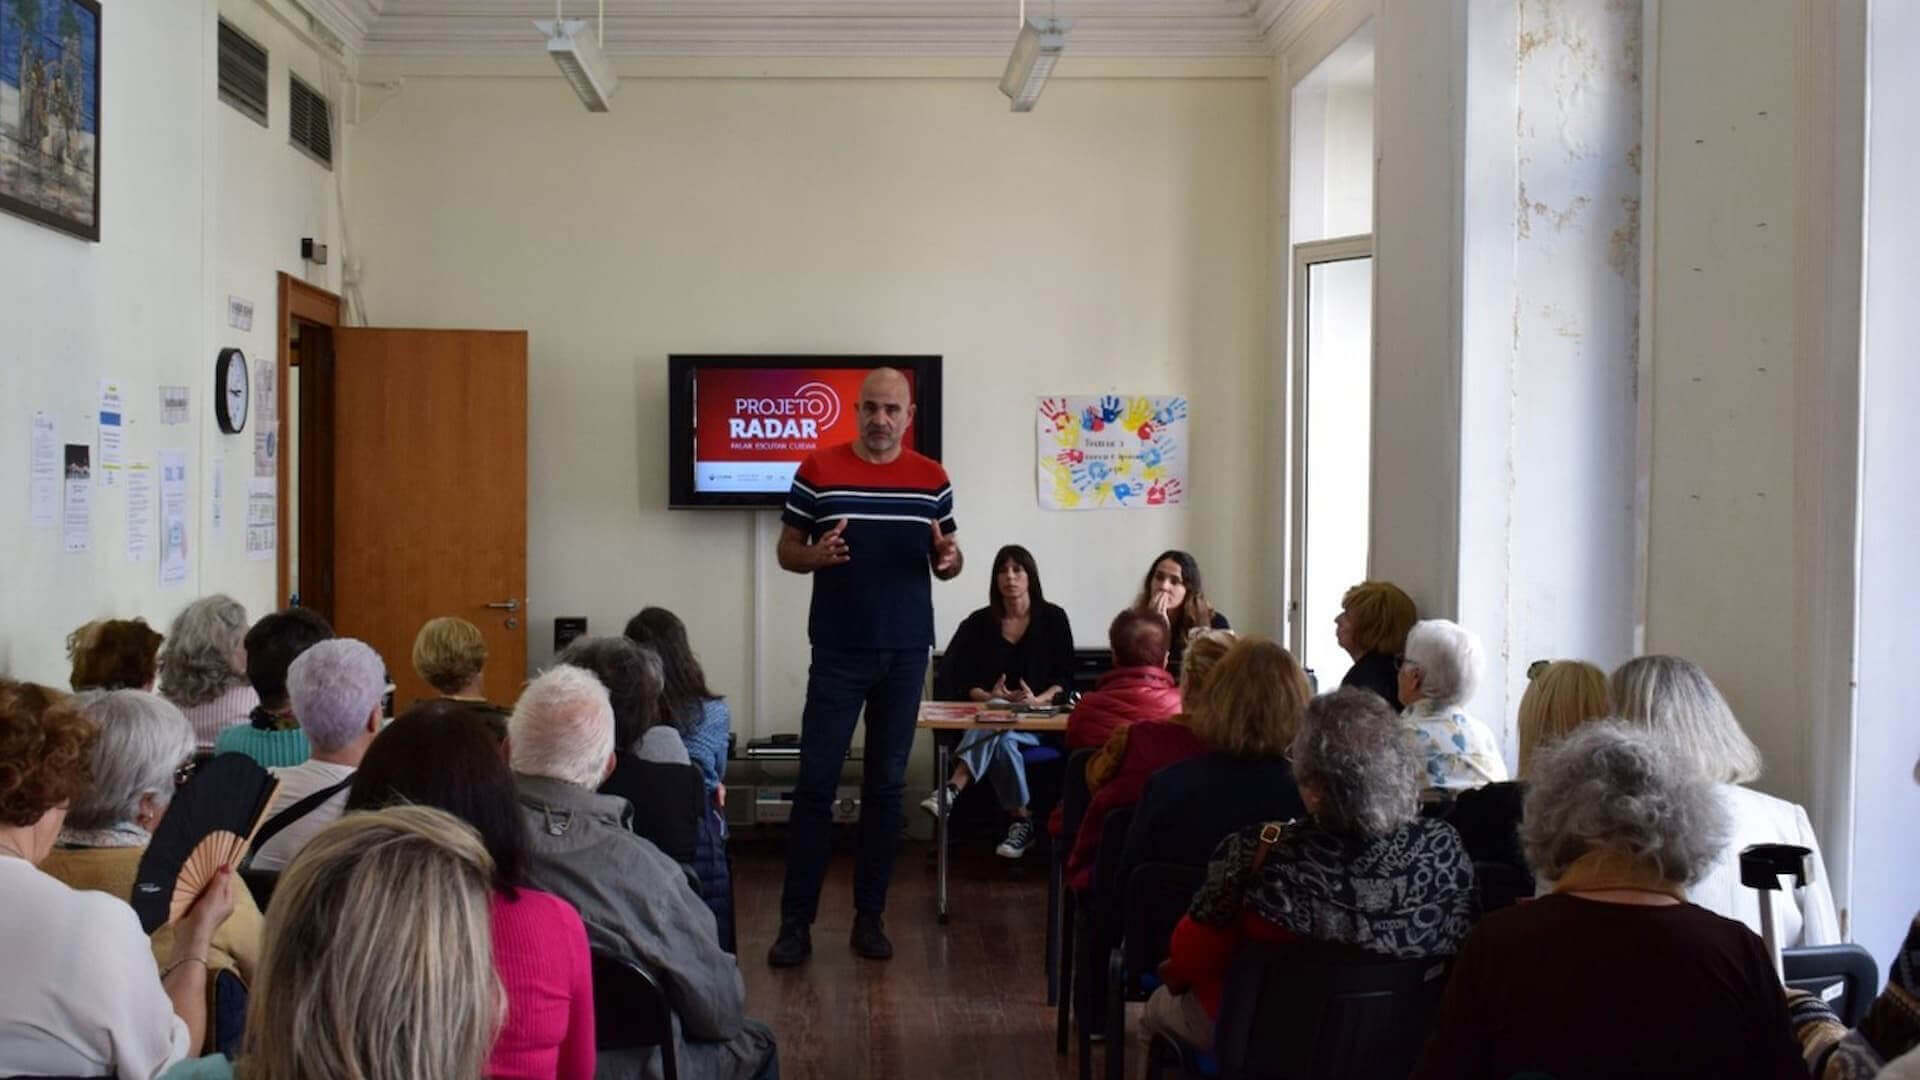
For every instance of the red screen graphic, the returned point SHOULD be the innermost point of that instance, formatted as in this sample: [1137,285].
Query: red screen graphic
[753,426]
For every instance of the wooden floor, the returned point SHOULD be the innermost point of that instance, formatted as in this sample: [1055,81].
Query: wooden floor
[965,1000]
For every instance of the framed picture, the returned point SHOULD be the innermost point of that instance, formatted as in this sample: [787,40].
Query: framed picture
[50,113]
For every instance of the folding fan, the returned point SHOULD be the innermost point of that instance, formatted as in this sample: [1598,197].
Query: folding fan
[208,825]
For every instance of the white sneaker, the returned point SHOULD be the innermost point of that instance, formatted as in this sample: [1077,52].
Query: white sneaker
[931,804]
[1019,838]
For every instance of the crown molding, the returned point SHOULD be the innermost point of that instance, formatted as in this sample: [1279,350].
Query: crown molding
[817,28]
[351,21]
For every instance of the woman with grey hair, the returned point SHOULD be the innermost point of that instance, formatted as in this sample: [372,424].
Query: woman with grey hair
[1363,869]
[203,667]
[1437,674]
[1614,973]
[143,752]
[1675,702]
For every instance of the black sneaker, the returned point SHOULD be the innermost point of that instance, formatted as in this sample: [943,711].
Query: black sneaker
[869,937]
[792,947]
[1019,838]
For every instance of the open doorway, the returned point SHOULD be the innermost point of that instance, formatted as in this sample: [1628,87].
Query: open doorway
[309,318]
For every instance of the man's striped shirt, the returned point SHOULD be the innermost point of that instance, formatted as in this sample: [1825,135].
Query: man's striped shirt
[882,598]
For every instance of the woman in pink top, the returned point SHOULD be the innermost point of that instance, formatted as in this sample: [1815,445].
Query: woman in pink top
[444,754]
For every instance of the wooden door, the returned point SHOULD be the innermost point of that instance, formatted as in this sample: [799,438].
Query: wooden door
[430,494]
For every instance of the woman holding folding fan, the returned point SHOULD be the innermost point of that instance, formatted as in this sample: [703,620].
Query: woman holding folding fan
[81,997]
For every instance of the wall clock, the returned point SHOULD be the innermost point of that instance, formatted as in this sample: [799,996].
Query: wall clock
[231,392]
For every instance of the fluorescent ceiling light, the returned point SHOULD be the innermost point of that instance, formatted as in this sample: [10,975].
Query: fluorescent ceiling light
[1034,54]
[581,60]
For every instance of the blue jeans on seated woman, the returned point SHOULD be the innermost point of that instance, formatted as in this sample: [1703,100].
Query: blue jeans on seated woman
[994,757]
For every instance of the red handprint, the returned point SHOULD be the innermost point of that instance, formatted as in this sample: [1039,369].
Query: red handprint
[1070,457]
[1146,431]
[1055,410]
[1163,492]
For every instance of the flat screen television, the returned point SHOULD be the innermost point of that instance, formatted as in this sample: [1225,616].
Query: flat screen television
[740,425]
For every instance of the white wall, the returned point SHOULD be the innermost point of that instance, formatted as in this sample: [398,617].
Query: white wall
[196,203]
[1721,566]
[1111,240]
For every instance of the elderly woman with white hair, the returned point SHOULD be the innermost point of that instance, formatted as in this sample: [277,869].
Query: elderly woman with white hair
[143,752]
[1675,701]
[637,902]
[1439,672]
[1614,973]
[203,667]
[336,687]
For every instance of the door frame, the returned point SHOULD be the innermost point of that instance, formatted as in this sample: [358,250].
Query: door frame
[309,303]
[1305,257]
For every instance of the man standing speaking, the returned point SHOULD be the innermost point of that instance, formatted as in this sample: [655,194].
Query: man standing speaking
[870,520]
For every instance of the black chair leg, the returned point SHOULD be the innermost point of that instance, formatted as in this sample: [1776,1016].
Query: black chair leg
[1086,1013]
[1064,1006]
[1053,925]
[1116,1015]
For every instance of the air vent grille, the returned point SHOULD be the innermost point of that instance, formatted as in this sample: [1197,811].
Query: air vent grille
[243,73]
[311,119]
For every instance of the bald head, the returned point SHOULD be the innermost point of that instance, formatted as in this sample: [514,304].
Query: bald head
[886,409]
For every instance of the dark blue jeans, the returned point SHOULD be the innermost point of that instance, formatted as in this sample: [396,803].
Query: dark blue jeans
[840,682]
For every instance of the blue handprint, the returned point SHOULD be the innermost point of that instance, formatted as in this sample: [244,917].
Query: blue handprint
[1175,409]
[1099,471]
[1110,408]
[1081,481]
[1123,491]
[1156,452]
[1090,419]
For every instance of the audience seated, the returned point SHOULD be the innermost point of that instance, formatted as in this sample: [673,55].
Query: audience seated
[442,754]
[1018,649]
[203,667]
[636,901]
[1139,687]
[80,996]
[1676,702]
[144,749]
[451,655]
[1889,1031]
[271,735]
[336,687]
[378,961]
[1372,627]
[114,654]
[1564,695]
[646,747]
[1440,671]
[1363,868]
[1613,973]
[1248,706]
[1173,591]
[1188,807]
[703,715]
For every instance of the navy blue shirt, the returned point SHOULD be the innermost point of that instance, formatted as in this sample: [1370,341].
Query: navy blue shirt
[882,597]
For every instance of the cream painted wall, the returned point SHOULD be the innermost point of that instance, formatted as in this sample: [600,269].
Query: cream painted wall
[1720,554]
[197,203]
[1112,240]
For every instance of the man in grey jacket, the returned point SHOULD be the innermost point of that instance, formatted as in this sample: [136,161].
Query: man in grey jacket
[636,901]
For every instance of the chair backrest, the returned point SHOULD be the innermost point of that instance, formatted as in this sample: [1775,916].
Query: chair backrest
[1113,845]
[630,1010]
[1844,976]
[668,798]
[1499,885]
[1314,1011]
[1074,796]
[1155,896]
[260,883]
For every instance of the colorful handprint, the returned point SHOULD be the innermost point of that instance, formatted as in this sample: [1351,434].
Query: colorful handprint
[1163,492]
[1070,457]
[1139,413]
[1090,419]
[1174,409]
[1110,407]
[1086,461]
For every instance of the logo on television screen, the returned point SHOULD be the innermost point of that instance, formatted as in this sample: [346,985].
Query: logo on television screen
[804,414]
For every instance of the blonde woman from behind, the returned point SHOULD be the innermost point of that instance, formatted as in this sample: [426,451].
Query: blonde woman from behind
[1675,701]
[378,962]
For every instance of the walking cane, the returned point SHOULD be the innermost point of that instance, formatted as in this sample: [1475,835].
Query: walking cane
[1761,868]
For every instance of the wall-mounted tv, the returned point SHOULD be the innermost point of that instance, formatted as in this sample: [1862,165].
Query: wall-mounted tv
[740,425]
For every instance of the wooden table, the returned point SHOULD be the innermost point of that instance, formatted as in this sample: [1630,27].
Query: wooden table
[949,720]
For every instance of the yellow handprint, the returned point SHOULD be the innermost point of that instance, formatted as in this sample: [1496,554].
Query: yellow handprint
[1139,411]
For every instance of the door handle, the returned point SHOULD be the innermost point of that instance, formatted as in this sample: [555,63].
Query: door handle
[505,605]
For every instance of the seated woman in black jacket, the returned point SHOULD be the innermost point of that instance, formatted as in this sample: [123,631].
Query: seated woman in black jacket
[1372,627]
[1017,649]
[651,768]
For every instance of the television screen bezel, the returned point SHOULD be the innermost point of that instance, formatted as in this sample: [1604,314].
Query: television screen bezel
[924,434]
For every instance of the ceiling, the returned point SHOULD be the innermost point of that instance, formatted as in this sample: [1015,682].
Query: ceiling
[1149,28]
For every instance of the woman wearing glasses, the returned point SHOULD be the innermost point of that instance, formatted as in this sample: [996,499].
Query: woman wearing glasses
[1438,675]
[1173,590]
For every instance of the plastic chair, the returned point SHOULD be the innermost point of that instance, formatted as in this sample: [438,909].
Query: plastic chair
[631,1012]
[1155,896]
[1315,1011]
[1843,976]
[1073,806]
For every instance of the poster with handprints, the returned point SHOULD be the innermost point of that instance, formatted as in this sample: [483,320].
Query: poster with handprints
[1111,452]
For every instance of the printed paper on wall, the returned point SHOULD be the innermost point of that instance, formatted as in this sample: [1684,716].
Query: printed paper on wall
[1111,452]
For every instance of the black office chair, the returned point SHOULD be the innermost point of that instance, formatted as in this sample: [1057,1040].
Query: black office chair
[1315,1011]
[1154,897]
[1073,806]
[1843,976]
[1095,928]
[630,1012]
